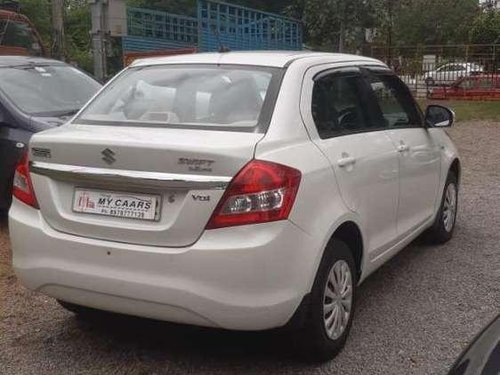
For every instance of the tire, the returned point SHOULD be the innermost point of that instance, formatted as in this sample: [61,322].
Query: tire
[442,228]
[312,340]
[6,196]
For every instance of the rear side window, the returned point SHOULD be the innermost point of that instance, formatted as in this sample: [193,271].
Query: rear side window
[202,96]
[395,102]
[336,105]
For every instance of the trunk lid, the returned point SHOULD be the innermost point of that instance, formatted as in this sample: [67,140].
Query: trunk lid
[187,169]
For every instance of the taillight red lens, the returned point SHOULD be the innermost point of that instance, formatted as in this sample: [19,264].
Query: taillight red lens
[261,192]
[22,186]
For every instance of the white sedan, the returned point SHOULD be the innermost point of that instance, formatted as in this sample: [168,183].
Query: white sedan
[244,191]
[447,74]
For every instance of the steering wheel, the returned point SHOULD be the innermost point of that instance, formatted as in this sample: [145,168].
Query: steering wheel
[348,119]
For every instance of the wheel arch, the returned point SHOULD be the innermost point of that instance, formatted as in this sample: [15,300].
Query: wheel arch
[349,232]
[456,168]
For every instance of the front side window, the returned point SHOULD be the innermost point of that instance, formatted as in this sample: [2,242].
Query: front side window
[336,105]
[396,106]
[203,96]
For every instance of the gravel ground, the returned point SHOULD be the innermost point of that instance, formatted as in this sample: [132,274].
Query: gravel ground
[414,316]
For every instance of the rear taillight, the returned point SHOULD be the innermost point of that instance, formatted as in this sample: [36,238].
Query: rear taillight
[22,186]
[261,192]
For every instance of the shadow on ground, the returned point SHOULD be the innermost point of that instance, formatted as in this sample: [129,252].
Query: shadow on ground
[155,342]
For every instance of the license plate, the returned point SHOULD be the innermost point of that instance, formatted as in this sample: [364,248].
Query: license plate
[125,205]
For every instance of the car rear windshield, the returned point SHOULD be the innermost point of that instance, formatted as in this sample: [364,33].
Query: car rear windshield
[219,97]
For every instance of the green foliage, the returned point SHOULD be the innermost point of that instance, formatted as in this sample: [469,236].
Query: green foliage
[402,22]
[486,28]
[38,11]
[331,22]
[433,22]
[77,25]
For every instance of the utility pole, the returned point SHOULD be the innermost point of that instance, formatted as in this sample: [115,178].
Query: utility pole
[58,29]
[389,34]
[98,10]
[342,14]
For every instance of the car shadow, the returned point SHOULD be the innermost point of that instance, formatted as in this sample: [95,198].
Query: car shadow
[156,342]
[3,219]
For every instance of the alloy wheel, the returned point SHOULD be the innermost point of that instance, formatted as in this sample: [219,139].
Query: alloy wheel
[337,299]
[450,207]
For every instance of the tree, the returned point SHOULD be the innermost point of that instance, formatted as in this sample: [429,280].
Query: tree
[333,24]
[486,28]
[78,40]
[426,21]
[38,11]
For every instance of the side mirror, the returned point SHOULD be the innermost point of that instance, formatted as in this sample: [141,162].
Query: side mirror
[437,116]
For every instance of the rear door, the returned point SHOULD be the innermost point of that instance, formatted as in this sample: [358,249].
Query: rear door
[418,154]
[362,156]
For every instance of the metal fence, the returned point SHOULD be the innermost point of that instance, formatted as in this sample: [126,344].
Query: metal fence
[468,72]
[162,25]
[241,28]
[217,24]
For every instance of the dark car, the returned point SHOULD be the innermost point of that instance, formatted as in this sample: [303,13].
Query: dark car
[35,94]
[482,356]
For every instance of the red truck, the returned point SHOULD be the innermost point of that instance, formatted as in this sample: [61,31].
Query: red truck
[18,35]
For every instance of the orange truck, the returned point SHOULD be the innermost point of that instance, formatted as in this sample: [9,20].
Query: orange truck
[18,35]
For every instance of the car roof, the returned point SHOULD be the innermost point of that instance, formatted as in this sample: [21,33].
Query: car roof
[6,61]
[277,59]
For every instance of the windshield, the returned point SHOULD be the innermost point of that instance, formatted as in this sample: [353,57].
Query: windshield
[47,90]
[186,96]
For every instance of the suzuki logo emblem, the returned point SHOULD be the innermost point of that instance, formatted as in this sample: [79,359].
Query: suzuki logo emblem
[108,156]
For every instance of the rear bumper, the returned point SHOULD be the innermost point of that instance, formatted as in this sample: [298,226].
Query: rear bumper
[246,278]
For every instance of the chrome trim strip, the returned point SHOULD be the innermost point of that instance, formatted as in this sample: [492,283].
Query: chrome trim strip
[128,178]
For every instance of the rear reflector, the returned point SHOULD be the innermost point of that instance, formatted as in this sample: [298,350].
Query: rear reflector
[261,192]
[22,187]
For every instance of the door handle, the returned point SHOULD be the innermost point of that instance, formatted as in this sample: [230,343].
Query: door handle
[403,147]
[346,161]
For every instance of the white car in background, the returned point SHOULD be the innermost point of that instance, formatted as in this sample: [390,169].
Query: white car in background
[244,191]
[447,74]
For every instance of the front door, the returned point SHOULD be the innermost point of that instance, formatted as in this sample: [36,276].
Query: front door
[419,155]
[362,156]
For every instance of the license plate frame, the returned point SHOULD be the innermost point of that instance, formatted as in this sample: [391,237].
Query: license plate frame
[152,214]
